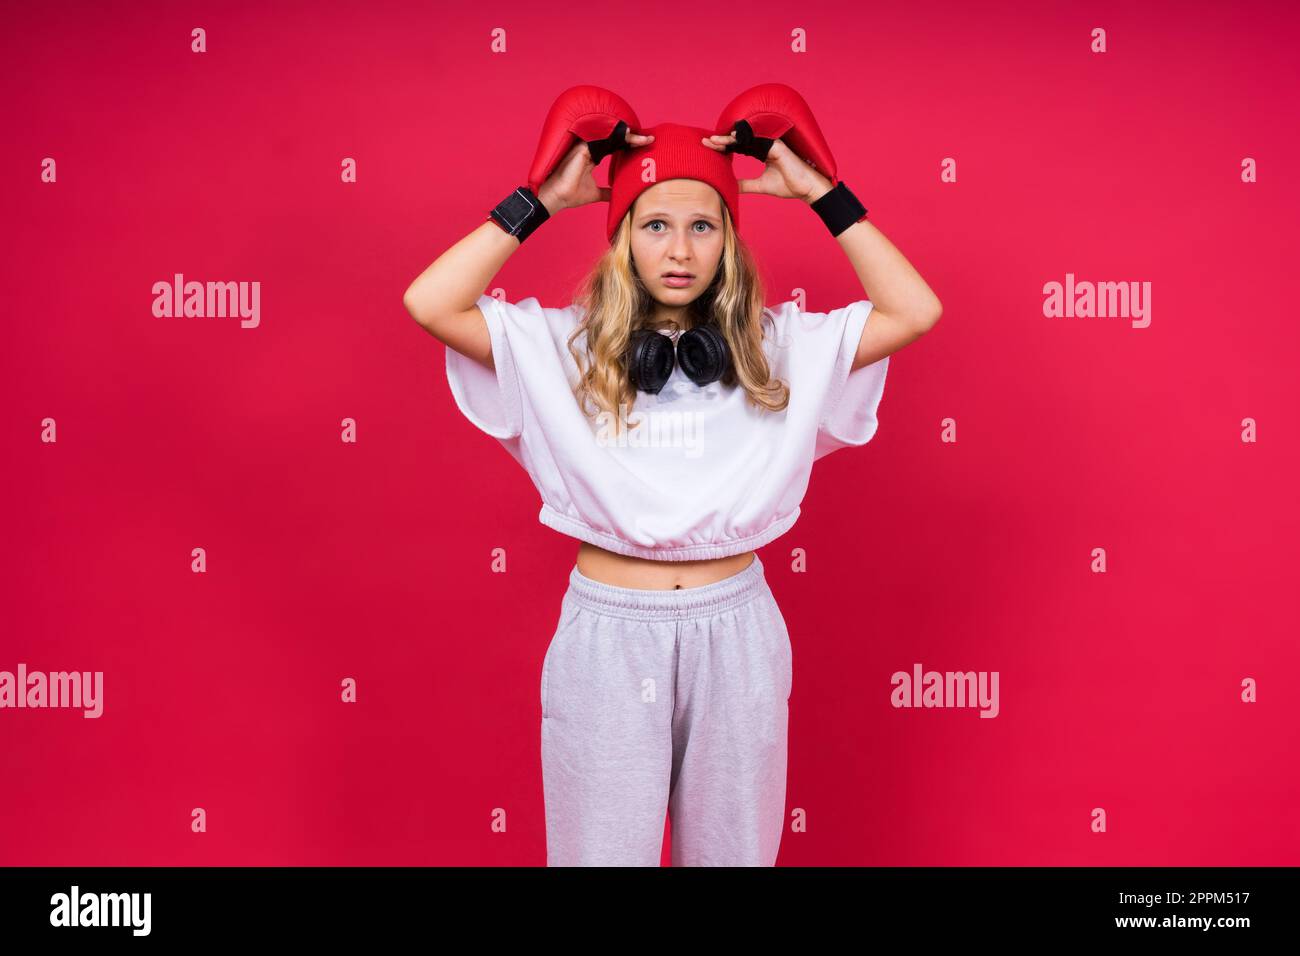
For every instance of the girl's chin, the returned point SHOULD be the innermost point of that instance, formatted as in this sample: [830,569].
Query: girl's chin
[675,301]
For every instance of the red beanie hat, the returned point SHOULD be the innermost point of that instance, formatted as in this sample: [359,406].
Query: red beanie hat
[678,154]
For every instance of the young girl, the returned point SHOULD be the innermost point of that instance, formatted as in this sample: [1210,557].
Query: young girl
[669,422]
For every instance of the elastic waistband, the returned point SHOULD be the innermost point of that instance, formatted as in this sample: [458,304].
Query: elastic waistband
[671,603]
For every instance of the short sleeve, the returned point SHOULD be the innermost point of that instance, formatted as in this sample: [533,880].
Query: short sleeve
[821,350]
[850,415]
[525,334]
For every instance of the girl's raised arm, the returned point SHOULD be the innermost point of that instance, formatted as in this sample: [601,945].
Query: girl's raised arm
[442,298]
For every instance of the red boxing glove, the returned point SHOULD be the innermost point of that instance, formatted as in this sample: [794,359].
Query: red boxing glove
[588,113]
[775,111]
[772,111]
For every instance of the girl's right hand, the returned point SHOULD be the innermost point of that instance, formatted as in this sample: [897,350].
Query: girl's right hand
[573,181]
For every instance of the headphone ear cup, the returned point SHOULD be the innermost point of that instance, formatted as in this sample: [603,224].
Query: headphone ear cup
[703,354]
[649,360]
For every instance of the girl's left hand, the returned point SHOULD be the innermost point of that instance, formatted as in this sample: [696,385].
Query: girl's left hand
[785,175]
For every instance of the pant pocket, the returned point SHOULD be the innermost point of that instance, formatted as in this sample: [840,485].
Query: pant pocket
[546,672]
[568,612]
[545,660]
[784,650]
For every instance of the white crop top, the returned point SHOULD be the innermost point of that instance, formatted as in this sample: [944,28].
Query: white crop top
[706,474]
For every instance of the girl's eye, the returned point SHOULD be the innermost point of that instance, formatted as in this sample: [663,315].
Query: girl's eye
[708,226]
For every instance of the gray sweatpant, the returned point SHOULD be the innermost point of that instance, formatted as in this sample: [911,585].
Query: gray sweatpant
[674,700]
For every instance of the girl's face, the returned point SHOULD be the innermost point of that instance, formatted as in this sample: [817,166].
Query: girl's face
[677,228]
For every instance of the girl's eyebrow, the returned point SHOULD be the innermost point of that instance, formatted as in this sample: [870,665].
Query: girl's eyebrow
[661,214]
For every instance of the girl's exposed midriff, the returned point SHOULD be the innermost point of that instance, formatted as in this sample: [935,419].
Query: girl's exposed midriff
[626,571]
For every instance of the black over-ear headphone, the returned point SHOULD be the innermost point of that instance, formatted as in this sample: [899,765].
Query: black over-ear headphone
[702,353]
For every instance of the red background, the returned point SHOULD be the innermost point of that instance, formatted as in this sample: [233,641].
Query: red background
[329,560]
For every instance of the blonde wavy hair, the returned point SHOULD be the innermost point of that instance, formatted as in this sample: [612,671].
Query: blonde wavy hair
[616,304]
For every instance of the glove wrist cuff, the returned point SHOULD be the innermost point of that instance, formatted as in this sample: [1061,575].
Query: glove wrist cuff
[839,208]
[520,213]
